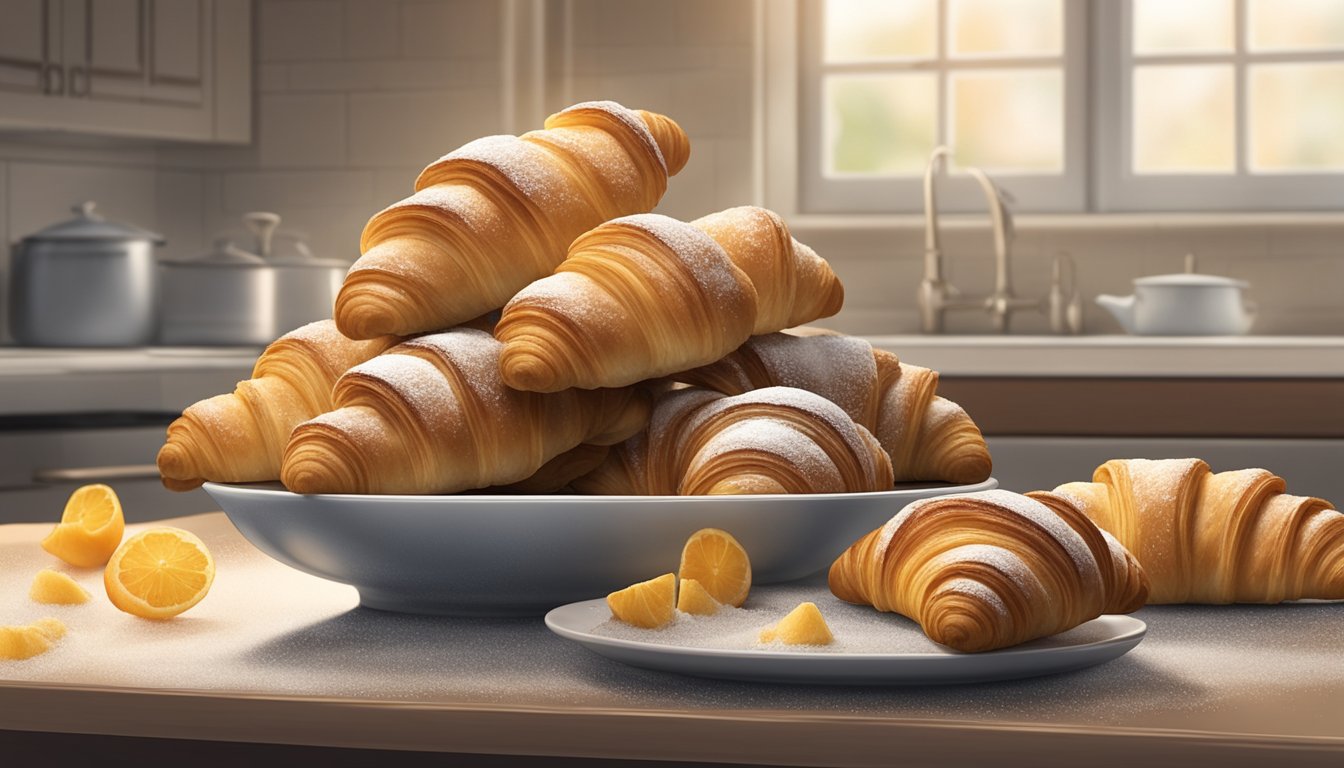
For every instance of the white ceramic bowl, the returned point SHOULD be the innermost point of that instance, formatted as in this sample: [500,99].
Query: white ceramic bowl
[523,555]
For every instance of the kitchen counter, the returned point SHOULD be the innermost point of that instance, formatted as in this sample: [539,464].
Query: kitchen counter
[144,380]
[275,656]
[1122,356]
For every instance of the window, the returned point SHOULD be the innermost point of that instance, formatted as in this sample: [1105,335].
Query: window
[885,81]
[1221,105]
[1070,105]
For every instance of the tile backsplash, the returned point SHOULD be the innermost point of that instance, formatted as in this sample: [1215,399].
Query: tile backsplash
[353,97]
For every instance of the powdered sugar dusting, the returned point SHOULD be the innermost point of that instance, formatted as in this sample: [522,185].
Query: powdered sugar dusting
[1002,560]
[705,259]
[630,119]
[475,356]
[416,381]
[780,439]
[529,168]
[807,402]
[973,588]
[571,294]
[811,363]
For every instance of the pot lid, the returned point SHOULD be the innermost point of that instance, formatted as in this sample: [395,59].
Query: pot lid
[1192,281]
[88,224]
[225,254]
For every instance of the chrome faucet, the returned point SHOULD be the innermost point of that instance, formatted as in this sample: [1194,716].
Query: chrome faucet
[936,295]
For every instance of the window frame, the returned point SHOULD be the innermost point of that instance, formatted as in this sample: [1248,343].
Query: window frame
[1119,189]
[1105,182]
[1063,192]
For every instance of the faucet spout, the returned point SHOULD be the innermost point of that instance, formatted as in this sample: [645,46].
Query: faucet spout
[933,252]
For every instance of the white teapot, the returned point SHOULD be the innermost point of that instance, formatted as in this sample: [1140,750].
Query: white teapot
[1183,305]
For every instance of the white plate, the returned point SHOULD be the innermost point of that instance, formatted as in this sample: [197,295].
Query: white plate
[500,555]
[1094,642]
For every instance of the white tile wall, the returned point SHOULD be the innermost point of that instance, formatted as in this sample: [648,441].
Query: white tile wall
[354,97]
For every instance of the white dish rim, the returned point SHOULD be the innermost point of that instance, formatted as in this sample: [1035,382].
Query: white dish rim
[266,490]
[1137,629]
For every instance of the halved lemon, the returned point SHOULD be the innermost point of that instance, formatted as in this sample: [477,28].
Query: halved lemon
[159,573]
[648,604]
[803,625]
[56,588]
[715,559]
[91,527]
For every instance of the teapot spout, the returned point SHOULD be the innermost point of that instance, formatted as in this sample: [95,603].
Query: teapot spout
[1121,307]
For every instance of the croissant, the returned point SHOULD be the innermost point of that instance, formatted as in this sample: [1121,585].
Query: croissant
[772,440]
[240,437]
[988,570]
[647,295]
[432,416]
[927,437]
[498,213]
[1230,537]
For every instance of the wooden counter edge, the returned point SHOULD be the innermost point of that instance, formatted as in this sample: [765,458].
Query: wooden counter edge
[765,737]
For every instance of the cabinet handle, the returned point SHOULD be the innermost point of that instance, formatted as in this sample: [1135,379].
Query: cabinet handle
[53,80]
[79,82]
[97,474]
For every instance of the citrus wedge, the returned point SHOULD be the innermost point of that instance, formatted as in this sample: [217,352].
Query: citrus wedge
[25,642]
[159,573]
[803,625]
[692,598]
[90,529]
[56,588]
[715,559]
[647,604]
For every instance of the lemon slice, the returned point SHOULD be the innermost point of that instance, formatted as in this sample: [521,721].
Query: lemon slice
[25,642]
[647,604]
[803,625]
[56,588]
[159,573]
[91,527]
[692,598]
[715,559]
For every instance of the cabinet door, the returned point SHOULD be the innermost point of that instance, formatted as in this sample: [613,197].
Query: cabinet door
[150,51]
[26,38]
[162,69]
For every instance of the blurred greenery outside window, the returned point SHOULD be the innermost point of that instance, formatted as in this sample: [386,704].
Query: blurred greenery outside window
[1076,104]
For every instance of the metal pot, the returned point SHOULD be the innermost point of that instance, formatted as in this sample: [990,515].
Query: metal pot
[305,286]
[85,282]
[225,298]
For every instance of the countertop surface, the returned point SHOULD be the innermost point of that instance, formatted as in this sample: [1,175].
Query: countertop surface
[273,655]
[1122,356]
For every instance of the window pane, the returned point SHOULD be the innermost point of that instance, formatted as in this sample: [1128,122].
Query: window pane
[879,125]
[1009,120]
[1182,26]
[1184,119]
[863,30]
[1295,24]
[997,27]
[1296,111]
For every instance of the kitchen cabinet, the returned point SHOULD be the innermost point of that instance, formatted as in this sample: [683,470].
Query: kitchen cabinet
[163,69]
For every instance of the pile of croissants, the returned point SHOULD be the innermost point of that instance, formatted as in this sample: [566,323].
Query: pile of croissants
[521,323]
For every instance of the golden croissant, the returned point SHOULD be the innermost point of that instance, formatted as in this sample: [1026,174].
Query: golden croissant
[928,438]
[989,570]
[432,416]
[240,437]
[500,212]
[772,440]
[1229,537]
[646,295]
